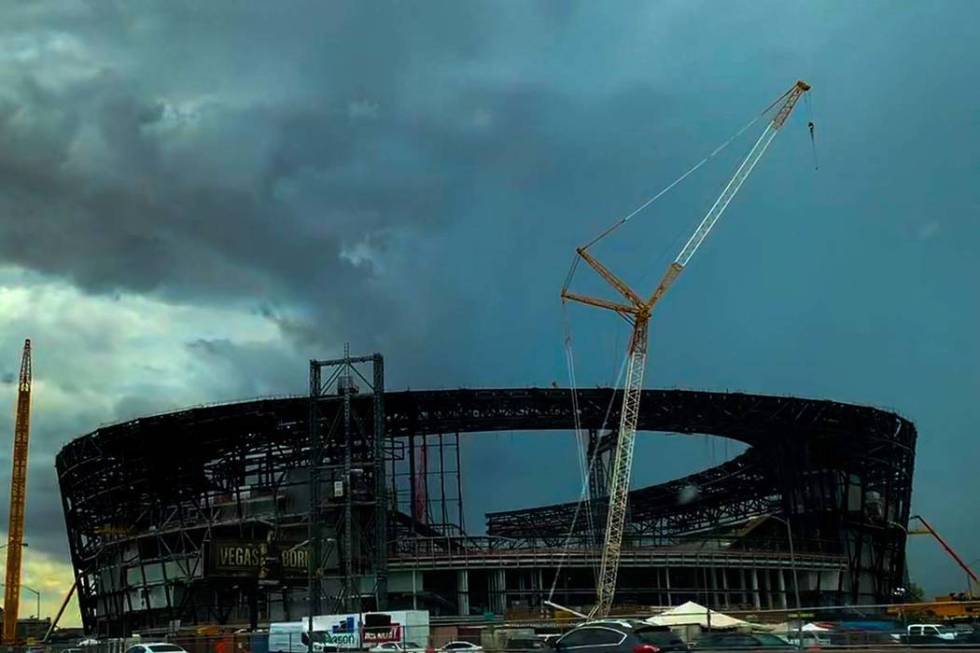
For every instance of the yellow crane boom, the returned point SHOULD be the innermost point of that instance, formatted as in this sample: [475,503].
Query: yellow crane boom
[638,312]
[18,499]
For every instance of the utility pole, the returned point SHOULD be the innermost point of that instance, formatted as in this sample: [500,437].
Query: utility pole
[796,580]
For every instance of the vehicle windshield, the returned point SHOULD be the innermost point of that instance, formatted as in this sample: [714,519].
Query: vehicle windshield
[411,645]
[164,648]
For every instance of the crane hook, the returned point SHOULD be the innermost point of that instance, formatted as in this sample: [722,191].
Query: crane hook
[813,145]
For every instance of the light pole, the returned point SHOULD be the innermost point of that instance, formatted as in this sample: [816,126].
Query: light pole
[309,599]
[796,581]
[37,615]
[969,581]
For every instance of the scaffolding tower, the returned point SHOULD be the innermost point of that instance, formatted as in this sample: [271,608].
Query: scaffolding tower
[347,459]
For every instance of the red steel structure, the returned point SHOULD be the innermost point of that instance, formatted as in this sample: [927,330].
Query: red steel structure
[18,498]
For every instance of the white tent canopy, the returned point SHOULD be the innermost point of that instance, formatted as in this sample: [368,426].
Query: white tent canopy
[694,614]
[791,628]
[814,628]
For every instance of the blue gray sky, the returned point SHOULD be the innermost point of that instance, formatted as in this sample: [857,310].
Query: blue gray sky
[195,198]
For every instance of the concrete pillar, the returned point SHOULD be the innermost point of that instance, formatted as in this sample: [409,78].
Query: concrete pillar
[744,594]
[498,590]
[670,597]
[724,587]
[539,596]
[771,586]
[707,577]
[416,586]
[463,592]
[763,586]
[756,600]
[716,583]
[781,577]
[492,591]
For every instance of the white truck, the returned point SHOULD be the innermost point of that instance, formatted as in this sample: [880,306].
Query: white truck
[926,633]
[292,637]
[398,626]
[333,633]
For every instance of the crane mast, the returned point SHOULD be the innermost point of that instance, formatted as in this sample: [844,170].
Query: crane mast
[18,499]
[638,312]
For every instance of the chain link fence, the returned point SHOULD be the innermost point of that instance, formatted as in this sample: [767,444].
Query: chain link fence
[937,626]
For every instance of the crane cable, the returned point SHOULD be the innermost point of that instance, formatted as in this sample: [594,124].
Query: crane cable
[810,125]
[583,457]
[585,463]
[583,495]
[619,223]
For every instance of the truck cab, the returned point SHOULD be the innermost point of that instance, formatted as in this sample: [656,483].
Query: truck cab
[926,632]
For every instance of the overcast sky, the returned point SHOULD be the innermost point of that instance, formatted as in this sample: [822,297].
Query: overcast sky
[197,197]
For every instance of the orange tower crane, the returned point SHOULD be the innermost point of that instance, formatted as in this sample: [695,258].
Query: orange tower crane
[18,498]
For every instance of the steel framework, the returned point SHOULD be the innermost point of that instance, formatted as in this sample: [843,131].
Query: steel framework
[354,438]
[146,500]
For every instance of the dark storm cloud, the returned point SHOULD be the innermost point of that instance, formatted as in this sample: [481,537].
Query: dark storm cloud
[371,132]
[107,183]
[156,222]
[308,185]
[301,170]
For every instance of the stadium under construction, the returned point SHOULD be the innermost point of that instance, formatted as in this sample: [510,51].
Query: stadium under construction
[350,499]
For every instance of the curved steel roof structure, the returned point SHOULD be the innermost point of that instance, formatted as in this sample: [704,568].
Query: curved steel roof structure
[842,473]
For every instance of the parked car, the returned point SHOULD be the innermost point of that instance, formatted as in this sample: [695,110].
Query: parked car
[927,634]
[735,640]
[397,647]
[155,647]
[861,638]
[968,635]
[525,644]
[620,636]
[462,647]
[811,639]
